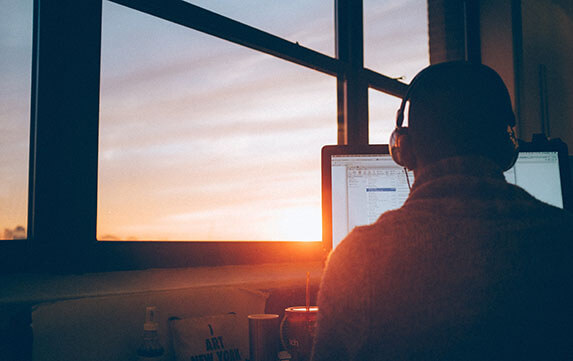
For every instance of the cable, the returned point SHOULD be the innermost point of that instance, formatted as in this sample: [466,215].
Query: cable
[407,178]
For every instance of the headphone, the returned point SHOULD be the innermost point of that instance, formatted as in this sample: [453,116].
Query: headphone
[400,144]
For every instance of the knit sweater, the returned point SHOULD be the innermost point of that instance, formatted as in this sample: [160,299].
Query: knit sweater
[469,268]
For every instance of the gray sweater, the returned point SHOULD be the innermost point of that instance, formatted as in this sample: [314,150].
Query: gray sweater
[469,268]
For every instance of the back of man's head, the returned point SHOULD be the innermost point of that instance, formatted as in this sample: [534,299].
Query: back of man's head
[459,108]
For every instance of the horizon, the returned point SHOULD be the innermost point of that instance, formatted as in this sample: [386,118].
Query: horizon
[204,139]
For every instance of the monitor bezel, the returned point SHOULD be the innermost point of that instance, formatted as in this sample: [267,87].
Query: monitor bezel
[326,172]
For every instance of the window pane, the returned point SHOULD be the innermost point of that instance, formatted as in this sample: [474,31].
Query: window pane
[382,113]
[15,85]
[310,23]
[201,139]
[396,37]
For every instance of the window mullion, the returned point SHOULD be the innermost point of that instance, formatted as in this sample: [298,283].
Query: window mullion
[352,86]
[64,133]
[195,17]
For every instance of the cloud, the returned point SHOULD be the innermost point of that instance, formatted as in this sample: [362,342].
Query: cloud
[396,37]
[193,127]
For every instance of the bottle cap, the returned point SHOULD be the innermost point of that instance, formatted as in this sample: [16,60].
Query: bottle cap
[151,323]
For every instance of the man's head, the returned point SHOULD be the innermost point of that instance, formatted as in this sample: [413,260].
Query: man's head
[456,108]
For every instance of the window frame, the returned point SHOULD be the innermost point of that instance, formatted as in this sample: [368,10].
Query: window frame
[63,167]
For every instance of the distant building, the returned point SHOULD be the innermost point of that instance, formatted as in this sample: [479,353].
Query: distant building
[17,233]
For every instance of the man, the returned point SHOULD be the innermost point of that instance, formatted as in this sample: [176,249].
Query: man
[470,267]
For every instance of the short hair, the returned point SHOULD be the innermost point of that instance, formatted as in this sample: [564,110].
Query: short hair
[459,108]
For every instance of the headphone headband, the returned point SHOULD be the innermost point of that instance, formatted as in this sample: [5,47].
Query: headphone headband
[411,87]
[400,133]
[422,74]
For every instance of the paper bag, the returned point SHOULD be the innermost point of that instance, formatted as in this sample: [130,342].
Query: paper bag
[209,338]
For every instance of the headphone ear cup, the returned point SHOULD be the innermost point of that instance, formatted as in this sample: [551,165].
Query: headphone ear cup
[509,155]
[401,149]
[394,147]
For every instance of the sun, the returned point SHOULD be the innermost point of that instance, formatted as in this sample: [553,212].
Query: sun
[303,224]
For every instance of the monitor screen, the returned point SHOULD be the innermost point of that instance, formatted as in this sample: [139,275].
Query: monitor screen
[364,182]
[538,173]
[363,187]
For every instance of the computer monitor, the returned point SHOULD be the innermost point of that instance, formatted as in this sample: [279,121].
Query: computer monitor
[359,183]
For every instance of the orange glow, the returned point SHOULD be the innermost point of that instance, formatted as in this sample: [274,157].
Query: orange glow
[300,224]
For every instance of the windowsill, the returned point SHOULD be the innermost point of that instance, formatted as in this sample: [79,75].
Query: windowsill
[36,288]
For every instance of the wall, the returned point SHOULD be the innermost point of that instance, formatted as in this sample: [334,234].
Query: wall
[497,41]
[522,39]
[547,43]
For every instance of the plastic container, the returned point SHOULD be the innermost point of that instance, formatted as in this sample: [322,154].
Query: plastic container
[150,348]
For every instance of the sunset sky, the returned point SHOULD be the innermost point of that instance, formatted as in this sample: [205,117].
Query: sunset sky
[204,139]
[15,70]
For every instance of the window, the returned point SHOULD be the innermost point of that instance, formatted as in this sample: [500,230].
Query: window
[396,44]
[382,115]
[222,140]
[134,101]
[396,37]
[15,73]
[308,23]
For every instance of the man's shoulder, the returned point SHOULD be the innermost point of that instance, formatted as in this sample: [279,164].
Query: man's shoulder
[532,209]
[556,220]
[364,241]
